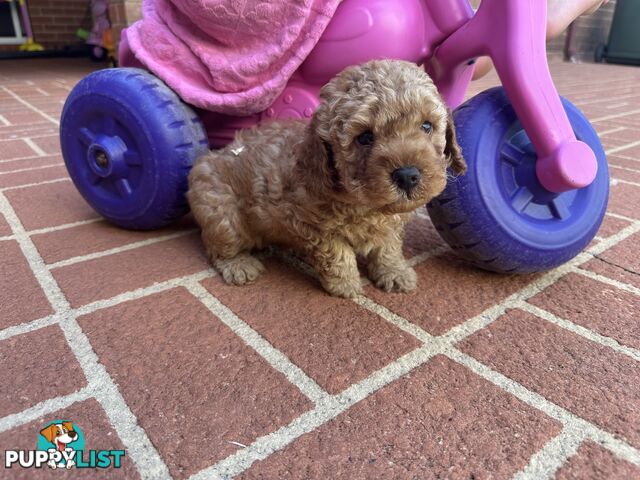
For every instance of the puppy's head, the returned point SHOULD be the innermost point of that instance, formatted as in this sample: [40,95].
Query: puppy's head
[387,137]
[62,431]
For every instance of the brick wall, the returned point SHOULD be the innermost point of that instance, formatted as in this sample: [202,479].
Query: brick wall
[123,13]
[55,22]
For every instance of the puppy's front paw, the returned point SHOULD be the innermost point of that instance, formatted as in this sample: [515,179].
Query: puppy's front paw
[398,280]
[343,287]
[240,270]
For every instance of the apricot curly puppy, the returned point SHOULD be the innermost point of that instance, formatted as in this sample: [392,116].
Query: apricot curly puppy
[377,148]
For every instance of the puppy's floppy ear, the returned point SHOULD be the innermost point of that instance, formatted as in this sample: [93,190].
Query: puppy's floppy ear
[452,149]
[49,432]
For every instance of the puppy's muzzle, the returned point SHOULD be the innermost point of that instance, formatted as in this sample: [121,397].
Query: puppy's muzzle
[406,178]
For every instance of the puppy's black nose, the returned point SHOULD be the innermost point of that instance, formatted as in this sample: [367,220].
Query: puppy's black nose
[406,178]
[72,434]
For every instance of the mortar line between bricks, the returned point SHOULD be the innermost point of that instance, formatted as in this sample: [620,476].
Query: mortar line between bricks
[138,445]
[36,184]
[27,327]
[613,165]
[582,331]
[30,169]
[627,182]
[34,146]
[44,408]
[609,281]
[64,226]
[120,249]
[627,157]
[615,115]
[102,304]
[619,447]
[31,107]
[546,462]
[606,99]
[4,121]
[30,157]
[611,130]
[621,217]
[278,360]
[622,147]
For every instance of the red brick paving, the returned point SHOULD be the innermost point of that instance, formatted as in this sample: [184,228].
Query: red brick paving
[193,386]
[155,359]
[624,200]
[49,205]
[440,421]
[420,236]
[5,229]
[94,237]
[106,277]
[449,292]
[16,149]
[97,430]
[49,144]
[335,341]
[622,262]
[612,225]
[42,174]
[21,298]
[46,352]
[592,462]
[35,162]
[567,369]
[566,299]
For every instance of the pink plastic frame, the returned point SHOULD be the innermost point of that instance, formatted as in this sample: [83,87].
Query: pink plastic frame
[446,37]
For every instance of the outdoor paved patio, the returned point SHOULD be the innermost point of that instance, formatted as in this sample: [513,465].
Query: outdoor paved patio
[132,337]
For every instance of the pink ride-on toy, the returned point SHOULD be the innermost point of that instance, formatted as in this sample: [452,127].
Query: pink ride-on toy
[537,186]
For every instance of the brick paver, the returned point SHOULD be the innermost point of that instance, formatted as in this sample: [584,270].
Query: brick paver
[132,336]
[592,462]
[21,297]
[49,205]
[43,352]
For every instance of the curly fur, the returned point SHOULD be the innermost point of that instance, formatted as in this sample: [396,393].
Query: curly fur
[314,188]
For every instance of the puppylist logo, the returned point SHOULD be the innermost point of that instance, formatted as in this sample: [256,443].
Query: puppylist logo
[61,446]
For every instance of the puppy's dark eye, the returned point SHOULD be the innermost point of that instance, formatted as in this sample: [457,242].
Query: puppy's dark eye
[366,138]
[426,126]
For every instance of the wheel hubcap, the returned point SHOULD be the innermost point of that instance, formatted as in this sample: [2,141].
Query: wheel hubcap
[525,193]
[110,160]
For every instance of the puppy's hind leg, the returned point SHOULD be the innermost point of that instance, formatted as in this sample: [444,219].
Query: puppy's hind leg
[228,244]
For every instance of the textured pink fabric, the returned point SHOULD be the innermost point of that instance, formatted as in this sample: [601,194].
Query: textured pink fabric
[228,56]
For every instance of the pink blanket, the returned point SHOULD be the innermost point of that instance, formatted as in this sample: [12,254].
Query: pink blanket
[228,56]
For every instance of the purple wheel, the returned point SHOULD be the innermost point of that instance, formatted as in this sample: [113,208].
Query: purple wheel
[128,143]
[498,215]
